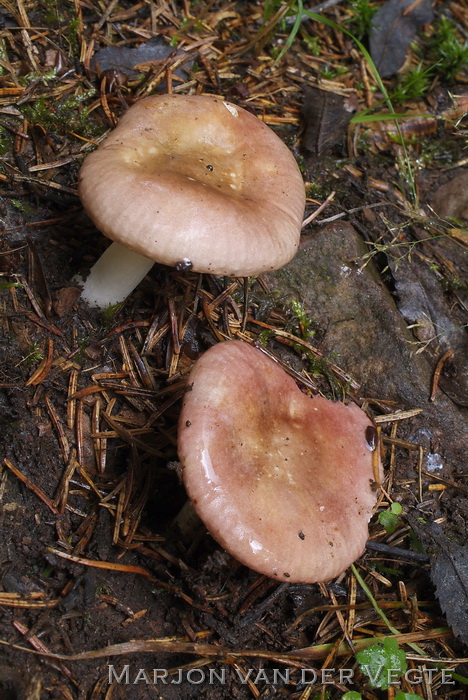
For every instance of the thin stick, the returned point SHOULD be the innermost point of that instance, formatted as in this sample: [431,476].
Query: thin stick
[319,210]
[32,487]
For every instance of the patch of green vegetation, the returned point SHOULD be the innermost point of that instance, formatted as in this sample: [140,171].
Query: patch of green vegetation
[3,55]
[34,355]
[447,50]
[383,663]
[294,8]
[26,209]
[271,6]
[448,54]
[47,571]
[319,366]
[385,570]
[328,73]
[314,190]
[301,320]
[6,141]
[299,324]
[70,114]
[413,85]
[372,67]
[275,52]
[443,152]
[9,285]
[390,518]
[83,345]
[54,13]
[73,33]
[109,315]
[311,43]
[455,284]
[360,22]
[264,336]
[47,77]
[301,163]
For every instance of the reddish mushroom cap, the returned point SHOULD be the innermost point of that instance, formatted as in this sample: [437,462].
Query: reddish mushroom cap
[282,481]
[198,180]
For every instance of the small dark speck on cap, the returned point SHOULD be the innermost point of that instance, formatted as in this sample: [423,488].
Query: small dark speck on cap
[188,423]
[287,575]
[301,535]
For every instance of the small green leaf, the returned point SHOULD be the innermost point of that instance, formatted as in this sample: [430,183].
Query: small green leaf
[407,696]
[351,695]
[389,520]
[9,285]
[383,663]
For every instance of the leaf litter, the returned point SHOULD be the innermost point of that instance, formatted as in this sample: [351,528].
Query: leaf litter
[91,563]
[394,27]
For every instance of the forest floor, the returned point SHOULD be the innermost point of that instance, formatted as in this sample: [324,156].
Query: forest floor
[97,586]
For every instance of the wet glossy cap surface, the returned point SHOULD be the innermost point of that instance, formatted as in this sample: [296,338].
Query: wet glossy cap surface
[282,481]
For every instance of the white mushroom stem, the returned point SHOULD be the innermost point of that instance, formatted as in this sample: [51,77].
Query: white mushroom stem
[117,272]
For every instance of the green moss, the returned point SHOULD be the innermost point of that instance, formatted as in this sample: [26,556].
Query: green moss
[328,73]
[26,209]
[360,22]
[300,322]
[456,285]
[301,163]
[439,152]
[413,85]
[34,355]
[109,315]
[54,13]
[3,55]
[311,43]
[69,114]
[449,54]
[265,336]
[83,345]
[47,77]
[73,33]
[314,190]
[6,141]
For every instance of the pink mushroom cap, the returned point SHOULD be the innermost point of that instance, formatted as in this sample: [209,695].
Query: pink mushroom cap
[284,482]
[198,180]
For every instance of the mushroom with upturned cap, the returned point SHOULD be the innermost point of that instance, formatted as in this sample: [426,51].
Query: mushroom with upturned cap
[284,482]
[190,181]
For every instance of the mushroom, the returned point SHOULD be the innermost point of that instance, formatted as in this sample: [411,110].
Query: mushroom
[284,482]
[192,182]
